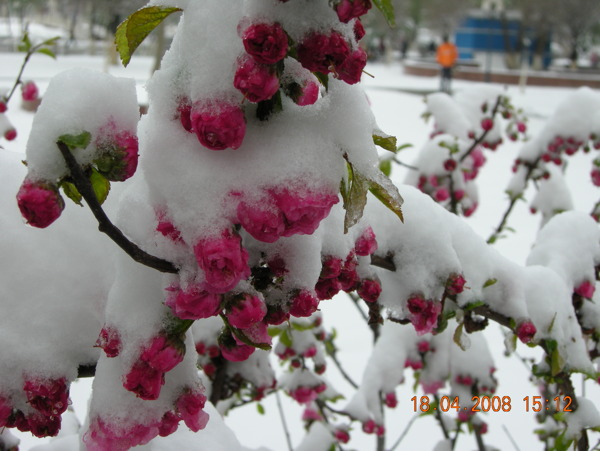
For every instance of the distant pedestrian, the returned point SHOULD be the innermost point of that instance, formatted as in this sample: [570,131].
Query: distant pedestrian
[446,56]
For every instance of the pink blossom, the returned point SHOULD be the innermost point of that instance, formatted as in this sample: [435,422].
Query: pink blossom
[310,352]
[450,165]
[309,93]
[168,424]
[257,333]
[487,123]
[423,346]
[327,288]
[267,43]
[459,194]
[431,387]
[442,194]
[369,290]
[103,436]
[526,331]
[3,106]
[423,313]
[237,352]
[164,353]
[465,415]
[359,30]
[218,126]
[311,414]
[304,395]
[144,381]
[595,176]
[40,203]
[223,260]
[464,380]
[477,157]
[349,9]
[117,156]
[331,267]
[194,303]
[366,244]
[349,280]
[256,81]
[303,304]
[586,289]
[29,91]
[342,436]
[522,127]
[350,70]
[43,426]
[189,408]
[414,364]
[184,112]
[275,315]
[110,341]
[168,229]
[390,400]
[263,221]
[455,284]
[10,134]
[469,211]
[303,211]
[50,397]
[245,310]
[5,411]
[319,52]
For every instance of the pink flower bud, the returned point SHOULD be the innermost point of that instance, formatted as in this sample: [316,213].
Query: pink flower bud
[309,94]
[423,346]
[369,290]
[168,424]
[264,221]
[366,244]
[414,364]
[327,288]
[10,134]
[3,106]
[423,313]
[304,395]
[29,91]
[303,211]
[256,81]
[184,111]
[40,203]
[164,353]
[110,341]
[349,9]
[359,30]
[464,380]
[267,43]
[450,165]
[342,436]
[275,315]
[390,400]
[50,397]
[194,303]
[350,70]
[586,289]
[487,123]
[223,260]
[431,387]
[5,411]
[189,408]
[332,267]
[233,350]
[303,304]
[144,381]
[442,194]
[521,127]
[117,156]
[595,174]
[168,229]
[526,331]
[455,284]
[318,52]
[245,310]
[44,426]
[218,126]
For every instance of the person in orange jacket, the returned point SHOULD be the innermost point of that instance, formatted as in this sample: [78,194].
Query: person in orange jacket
[446,56]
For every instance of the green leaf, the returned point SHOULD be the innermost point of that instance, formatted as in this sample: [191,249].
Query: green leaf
[71,192]
[100,185]
[286,339]
[323,78]
[386,8]
[556,362]
[551,326]
[273,331]
[386,167]
[461,342]
[473,305]
[302,327]
[489,283]
[385,141]
[389,196]
[50,42]
[80,141]
[356,198]
[401,147]
[25,44]
[47,51]
[260,408]
[132,32]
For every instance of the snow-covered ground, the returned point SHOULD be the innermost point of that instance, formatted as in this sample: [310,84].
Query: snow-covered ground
[398,106]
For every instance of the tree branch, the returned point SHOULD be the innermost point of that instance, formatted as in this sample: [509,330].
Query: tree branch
[481,137]
[104,224]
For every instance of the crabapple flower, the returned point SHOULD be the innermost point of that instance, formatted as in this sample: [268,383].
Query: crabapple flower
[193,303]
[319,52]
[423,313]
[110,341]
[49,397]
[184,111]
[267,43]
[487,124]
[164,353]
[442,194]
[349,9]
[40,203]
[144,381]
[369,290]
[118,155]
[331,267]
[29,91]
[245,310]
[595,174]
[342,436]
[303,211]
[526,331]
[359,30]
[218,126]
[223,260]
[189,408]
[10,134]
[265,224]
[3,106]
[102,436]
[390,400]
[43,426]
[237,352]
[304,394]
[309,94]
[256,81]
[303,304]
[168,424]
[5,411]
[586,289]
[350,70]
[366,244]
[455,284]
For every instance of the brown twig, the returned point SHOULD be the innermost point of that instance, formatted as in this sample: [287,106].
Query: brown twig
[84,187]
